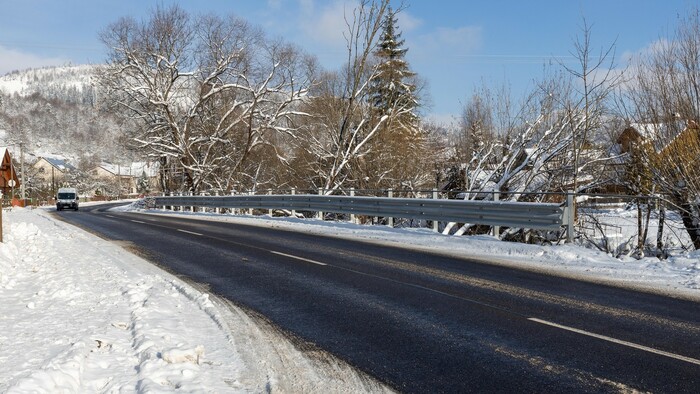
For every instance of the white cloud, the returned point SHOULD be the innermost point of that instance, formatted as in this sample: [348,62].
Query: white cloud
[274,4]
[453,42]
[325,24]
[408,22]
[444,45]
[629,62]
[11,59]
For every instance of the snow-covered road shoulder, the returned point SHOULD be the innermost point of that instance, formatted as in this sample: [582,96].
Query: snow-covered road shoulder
[80,314]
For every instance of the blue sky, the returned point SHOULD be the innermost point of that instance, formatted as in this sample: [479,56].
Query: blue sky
[455,45]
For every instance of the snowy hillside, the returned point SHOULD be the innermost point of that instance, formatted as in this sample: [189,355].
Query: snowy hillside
[54,112]
[71,84]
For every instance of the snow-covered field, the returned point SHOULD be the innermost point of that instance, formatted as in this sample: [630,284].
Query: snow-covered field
[80,314]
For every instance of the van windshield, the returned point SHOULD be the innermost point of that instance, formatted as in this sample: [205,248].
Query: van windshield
[66,196]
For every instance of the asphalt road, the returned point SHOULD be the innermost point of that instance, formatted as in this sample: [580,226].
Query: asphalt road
[424,322]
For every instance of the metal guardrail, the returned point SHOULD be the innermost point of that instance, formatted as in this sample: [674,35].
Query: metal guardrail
[541,216]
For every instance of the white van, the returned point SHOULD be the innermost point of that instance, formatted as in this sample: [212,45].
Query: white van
[67,197]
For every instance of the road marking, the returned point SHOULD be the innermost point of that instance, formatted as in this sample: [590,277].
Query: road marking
[110,216]
[297,258]
[618,341]
[188,232]
[138,221]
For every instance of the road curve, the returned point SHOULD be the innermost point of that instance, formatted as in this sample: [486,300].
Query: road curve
[422,322]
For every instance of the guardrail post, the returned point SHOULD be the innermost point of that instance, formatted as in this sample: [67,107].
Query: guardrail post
[233,210]
[352,215]
[250,210]
[435,222]
[390,194]
[269,193]
[496,229]
[218,208]
[294,192]
[570,216]
[182,207]
[320,214]
[192,208]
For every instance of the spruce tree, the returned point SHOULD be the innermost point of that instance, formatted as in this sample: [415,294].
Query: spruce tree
[392,89]
[398,148]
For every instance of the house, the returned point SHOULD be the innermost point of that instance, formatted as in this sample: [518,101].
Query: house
[676,142]
[629,137]
[52,171]
[8,175]
[129,176]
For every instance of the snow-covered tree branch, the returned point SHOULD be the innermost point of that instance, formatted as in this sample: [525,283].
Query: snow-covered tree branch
[206,92]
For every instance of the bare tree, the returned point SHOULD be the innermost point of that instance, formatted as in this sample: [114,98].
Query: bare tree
[205,91]
[595,80]
[343,124]
[666,96]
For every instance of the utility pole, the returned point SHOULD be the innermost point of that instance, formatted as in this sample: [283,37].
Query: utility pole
[21,169]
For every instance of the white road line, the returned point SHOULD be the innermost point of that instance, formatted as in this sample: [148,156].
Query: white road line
[138,221]
[297,258]
[188,232]
[110,216]
[618,341]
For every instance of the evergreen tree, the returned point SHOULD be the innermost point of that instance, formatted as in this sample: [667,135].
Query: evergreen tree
[392,89]
[143,184]
[398,149]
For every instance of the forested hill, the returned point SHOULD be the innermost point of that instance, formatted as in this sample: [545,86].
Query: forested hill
[53,111]
[69,84]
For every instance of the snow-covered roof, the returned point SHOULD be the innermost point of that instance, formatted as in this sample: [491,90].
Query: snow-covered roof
[60,164]
[648,130]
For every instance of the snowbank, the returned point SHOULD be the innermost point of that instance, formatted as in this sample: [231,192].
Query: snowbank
[80,314]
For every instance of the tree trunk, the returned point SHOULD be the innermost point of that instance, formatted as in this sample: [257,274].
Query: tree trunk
[640,230]
[164,175]
[691,222]
[660,233]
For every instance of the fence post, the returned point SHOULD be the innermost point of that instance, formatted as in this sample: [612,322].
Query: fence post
[435,222]
[294,192]
[320,214]
[352,215]
[269,193]
[570,216]
[496,229]
[390,194]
